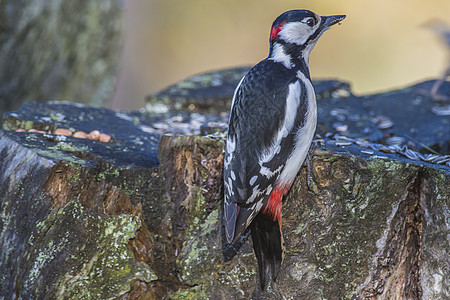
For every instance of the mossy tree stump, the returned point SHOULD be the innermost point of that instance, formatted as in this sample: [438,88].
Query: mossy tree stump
[140,217]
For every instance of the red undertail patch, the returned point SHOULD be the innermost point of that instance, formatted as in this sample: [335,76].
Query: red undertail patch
[274,204]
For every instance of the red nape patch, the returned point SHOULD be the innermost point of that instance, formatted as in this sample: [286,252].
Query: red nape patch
[273,205]
[275,30]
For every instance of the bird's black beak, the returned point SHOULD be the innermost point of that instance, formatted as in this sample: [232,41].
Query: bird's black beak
[328,21]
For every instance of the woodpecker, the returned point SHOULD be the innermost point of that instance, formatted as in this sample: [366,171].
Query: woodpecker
[272,122]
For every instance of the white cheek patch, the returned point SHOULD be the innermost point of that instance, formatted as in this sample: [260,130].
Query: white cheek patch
[295,33]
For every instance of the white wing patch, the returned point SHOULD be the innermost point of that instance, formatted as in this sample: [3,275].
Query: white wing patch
[303,137]
[269,173]
[257,192]
[255,208]
[292,104]
[229,187]
[231,146]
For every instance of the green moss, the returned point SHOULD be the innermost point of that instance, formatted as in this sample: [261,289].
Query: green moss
[196,254]
[56,117]
[186,85]
[70,147]
[27,125]
[11,121]
[128,187]
[442,187]
[242,273]
[193,293]
[75,175]
[342,220]
[94,261]
[196,206]
[107,172]
[57,152]
[112,267]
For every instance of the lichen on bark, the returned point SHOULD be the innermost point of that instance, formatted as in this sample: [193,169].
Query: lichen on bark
[105,219]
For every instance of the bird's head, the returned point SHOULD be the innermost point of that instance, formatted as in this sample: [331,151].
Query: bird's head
[296,32]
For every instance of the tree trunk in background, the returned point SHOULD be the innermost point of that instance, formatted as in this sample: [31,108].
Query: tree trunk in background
[58,50]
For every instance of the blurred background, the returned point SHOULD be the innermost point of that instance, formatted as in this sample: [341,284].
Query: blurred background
[145,45]
[381,44]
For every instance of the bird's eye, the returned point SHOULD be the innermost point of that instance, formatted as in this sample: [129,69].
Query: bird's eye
[310,22]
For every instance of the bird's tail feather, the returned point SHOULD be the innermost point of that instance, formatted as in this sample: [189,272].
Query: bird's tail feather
[268,247]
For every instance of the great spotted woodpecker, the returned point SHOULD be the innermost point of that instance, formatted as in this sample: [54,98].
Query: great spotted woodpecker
[272,123]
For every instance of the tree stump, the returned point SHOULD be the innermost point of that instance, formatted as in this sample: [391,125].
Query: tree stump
[140,216]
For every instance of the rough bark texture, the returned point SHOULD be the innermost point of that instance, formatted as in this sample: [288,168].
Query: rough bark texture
[70,227]
[355,231]
[140,217]
[56,49]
